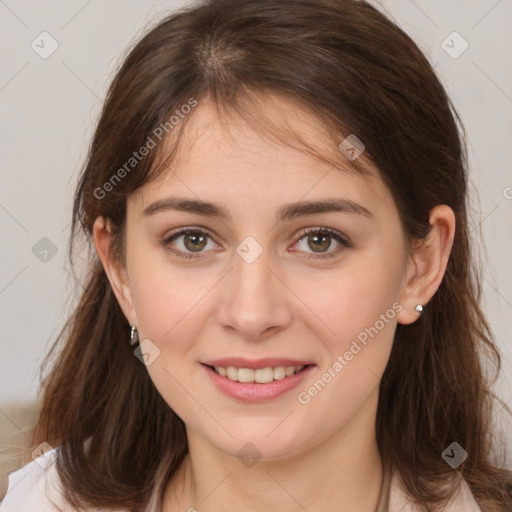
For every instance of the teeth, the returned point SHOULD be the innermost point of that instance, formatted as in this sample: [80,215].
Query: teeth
[290,370]
[232,373]
[245,375]
[279,372]
[261,375]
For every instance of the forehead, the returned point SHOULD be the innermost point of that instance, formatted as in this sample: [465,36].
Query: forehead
[261,122]
[273,154]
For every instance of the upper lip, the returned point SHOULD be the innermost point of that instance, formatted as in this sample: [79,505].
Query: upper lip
[242,362]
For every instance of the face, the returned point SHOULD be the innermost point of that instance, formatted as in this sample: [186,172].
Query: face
[266,287]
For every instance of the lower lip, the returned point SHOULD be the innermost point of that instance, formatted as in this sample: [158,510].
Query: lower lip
[254,392]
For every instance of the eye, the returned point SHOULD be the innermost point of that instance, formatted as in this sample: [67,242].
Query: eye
[193,241]
[320,241]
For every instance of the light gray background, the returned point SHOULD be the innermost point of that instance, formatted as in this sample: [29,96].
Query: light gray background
[48,108]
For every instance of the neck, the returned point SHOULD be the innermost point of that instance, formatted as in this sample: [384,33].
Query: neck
[343,473]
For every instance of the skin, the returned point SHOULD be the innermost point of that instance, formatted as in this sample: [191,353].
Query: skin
[323,455]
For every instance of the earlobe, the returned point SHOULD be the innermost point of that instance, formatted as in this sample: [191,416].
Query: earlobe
[115,272]
[428,264]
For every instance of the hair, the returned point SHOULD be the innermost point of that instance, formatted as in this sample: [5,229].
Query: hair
[358,73]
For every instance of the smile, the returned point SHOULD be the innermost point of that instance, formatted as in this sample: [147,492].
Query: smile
[264,381]
[260,375]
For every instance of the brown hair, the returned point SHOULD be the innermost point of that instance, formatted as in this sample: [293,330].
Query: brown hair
[357,72]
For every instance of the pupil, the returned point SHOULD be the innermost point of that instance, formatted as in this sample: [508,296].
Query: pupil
[324,245]
[195,238]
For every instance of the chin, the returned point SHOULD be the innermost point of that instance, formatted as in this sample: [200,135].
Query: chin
[260,443]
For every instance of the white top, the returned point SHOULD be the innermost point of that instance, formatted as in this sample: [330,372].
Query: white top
[35,488]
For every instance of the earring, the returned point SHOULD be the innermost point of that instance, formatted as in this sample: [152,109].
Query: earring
[419,308]
[134,336]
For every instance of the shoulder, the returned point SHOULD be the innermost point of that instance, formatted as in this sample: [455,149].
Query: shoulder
[463,499]
[36,487]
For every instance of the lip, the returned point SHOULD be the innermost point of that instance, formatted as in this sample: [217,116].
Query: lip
[242,362]
[252,391]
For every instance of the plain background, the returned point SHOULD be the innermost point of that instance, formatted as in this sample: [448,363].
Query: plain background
[49,107]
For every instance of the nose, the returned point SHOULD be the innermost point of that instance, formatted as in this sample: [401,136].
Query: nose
[254,300]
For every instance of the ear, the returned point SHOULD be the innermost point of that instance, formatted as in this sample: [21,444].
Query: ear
[116,272]
[427,265]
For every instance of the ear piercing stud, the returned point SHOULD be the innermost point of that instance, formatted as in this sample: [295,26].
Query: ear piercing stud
[419,308]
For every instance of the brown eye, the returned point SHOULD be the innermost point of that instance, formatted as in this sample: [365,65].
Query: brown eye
[319,242]
[188,243]
[195,241]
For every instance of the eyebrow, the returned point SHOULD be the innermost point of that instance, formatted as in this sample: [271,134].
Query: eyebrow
[285,212]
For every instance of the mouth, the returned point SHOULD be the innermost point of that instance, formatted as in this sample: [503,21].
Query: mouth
[257,375]
[259,381]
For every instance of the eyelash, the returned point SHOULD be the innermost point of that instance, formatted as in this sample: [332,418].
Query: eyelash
[344,243]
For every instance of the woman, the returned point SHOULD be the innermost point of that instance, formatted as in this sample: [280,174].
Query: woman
[281,310]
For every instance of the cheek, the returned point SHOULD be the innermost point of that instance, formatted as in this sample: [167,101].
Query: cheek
[167,299]
[357,314]
[349,301]
[350,374]
[171,311]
